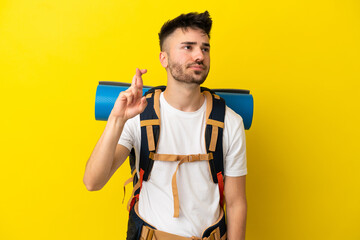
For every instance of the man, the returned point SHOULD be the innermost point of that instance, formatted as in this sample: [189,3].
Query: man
[185,54]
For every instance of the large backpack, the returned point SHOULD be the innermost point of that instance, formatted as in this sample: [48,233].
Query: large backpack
[150,132]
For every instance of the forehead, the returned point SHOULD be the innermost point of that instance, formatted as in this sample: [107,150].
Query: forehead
[188,35]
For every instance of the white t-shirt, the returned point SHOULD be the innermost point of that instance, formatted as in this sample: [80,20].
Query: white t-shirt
[182,133]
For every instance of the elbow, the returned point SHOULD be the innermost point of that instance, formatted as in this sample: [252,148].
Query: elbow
[91,186]
[240,203]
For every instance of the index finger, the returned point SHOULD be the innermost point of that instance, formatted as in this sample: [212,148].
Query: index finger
[137,79]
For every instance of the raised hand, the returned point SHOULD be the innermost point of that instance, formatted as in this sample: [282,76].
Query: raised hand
[130,102]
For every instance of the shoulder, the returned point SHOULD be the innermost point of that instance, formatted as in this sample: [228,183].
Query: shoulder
[232,119]
[234,144]
[132,127]
[130,132]
[234,131]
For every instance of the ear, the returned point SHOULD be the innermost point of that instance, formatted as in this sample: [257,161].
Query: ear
[164,59]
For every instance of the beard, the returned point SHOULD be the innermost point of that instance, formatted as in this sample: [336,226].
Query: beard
[178,72]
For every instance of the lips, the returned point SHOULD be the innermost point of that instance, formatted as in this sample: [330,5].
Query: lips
[197,66]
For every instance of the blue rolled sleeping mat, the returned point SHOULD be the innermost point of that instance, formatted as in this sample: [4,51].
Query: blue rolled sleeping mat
[241,101]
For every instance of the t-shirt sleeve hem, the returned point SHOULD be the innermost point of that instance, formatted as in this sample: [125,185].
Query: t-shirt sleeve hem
[236,174]
[125,144]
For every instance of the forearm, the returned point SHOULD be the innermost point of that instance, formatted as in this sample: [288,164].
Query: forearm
[236,220]
[99,165]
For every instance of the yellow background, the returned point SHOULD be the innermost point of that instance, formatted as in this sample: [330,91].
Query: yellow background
[300,59]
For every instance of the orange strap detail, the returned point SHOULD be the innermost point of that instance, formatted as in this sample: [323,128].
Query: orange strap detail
[136,187]
[131,179]
[130,202]
[148,233]
[208,104]
[184,158]
[133,201]
[157,102]
[214,137]
[215,123]
[221,187]
[149,122]
[150,136]
[149,95]
[141,177]
[175,192]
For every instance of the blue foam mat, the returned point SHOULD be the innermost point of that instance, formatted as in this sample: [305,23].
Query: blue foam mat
[106,94]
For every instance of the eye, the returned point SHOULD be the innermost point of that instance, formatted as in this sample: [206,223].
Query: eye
[187,47]
[206,49]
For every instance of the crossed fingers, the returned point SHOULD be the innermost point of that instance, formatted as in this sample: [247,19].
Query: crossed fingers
[135,91]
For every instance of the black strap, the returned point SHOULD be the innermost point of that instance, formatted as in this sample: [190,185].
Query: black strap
[218,114]
[149,113]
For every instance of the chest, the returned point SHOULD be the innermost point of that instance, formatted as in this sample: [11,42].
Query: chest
[182,135]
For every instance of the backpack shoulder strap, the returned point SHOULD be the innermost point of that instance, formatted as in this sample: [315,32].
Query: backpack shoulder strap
[215,115]
[150,129]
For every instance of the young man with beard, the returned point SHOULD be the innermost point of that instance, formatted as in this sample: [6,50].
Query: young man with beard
[185,54]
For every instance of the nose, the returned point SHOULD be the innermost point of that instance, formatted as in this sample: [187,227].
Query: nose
[198,55]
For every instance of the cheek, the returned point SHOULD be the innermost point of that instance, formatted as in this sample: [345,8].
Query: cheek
[179,59]
[207,60]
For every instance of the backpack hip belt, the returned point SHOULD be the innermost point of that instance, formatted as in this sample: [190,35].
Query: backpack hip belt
[216,231]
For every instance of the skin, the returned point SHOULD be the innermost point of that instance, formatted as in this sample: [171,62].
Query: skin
[186,58]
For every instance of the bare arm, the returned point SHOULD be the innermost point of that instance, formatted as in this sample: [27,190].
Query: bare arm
[236,207]
[107,155]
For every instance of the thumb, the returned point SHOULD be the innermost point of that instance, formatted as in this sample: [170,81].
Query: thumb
[143,104]
[121,102]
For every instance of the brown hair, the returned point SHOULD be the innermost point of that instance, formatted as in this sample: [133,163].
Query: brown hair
[192,20]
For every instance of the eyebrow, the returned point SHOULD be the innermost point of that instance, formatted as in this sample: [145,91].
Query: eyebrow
[194,43]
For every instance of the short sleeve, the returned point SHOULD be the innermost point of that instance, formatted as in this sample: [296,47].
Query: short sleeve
[127,138]
[234,145]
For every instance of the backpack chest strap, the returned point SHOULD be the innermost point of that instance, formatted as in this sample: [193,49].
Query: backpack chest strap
[182,159]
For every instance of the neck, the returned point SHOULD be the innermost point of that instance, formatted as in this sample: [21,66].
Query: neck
[184,96]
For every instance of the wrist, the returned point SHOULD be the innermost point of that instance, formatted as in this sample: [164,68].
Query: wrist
[117,121]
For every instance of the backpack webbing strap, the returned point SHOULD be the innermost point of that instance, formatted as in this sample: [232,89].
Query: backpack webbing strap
[150,129]
[221,187]
[148,233]
[136,191]
[182,159]
[209,104]
[215,114]
[214,133]
[157,102]
[150,135]
[214,123]
[131,179]
[216,231]
[185,158]
[150,122]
